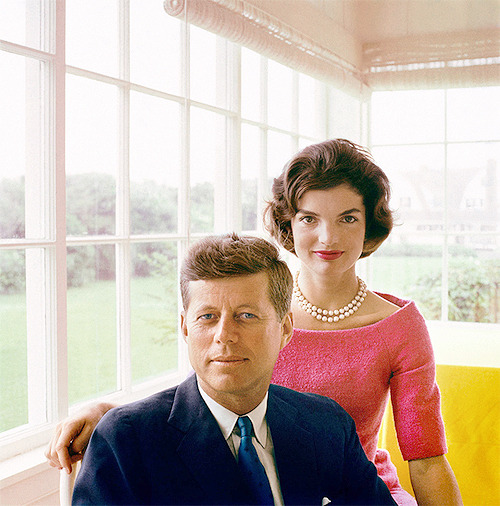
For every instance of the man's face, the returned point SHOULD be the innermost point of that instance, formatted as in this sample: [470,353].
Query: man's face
[234,337]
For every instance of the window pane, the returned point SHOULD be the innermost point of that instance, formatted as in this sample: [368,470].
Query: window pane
[13,340]
[473,114]
[251,161]
[92,36]
[155,52]
[410,267]
[473,187]
[311,107]
[474,278]
[205,61]
[155,164]
[279,151]
[344,120]
[208,165]
[92,345]
[154,312]
[416,174]
[12,207]
[91,156]
[250,85]
[21,22]
[407,116]
[21,141]
[280,95]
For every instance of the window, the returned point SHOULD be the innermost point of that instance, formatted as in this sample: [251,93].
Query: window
[171,132]
[442,160]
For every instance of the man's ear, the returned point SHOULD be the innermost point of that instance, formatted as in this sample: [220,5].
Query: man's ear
[184,325]
[286,329]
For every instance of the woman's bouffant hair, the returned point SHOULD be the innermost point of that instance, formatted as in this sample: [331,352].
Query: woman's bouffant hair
[321,167]
[232,255]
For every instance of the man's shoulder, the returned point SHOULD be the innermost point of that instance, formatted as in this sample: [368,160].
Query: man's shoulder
[308,403]
[142,412]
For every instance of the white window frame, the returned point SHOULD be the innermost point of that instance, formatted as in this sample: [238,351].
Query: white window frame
[48,379]
[482,349]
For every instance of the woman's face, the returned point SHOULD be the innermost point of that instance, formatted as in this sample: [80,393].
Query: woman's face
[329,229]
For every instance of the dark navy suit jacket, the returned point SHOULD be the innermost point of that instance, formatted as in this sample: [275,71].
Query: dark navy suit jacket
[168,449]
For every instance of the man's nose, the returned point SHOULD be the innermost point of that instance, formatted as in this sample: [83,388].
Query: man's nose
[226,330]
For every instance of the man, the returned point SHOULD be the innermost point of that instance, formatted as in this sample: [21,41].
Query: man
[204,441]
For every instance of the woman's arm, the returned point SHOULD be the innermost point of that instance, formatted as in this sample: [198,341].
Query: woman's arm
[434,483]
[72,436]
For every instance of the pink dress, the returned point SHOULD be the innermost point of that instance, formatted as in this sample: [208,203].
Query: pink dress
[359,367]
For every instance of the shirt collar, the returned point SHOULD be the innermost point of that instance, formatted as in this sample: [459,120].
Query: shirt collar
[227,419]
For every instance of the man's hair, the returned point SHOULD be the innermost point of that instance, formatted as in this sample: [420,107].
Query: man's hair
[321,167]
[232,255]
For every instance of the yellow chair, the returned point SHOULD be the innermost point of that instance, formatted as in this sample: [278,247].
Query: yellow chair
[470,403]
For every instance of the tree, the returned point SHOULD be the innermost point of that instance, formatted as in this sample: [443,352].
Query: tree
[12,208]
[472,291]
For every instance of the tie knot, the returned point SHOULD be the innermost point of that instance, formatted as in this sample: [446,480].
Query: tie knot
[245,425]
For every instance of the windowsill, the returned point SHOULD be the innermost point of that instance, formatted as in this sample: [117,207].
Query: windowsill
[465,344]
[22,466]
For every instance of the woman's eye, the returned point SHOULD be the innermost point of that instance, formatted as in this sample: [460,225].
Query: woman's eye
[307,219]
[350,219]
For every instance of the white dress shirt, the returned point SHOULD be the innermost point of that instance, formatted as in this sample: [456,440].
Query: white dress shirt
[261,440]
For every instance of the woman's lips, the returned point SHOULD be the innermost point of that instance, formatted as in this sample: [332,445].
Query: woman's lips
[328,255]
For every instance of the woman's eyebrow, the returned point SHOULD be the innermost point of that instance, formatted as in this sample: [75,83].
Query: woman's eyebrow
[350,211]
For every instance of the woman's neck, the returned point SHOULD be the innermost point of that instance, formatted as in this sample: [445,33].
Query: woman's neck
[328,291]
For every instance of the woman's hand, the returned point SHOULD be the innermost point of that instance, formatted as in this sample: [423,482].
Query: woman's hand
[72,436]
[434,483]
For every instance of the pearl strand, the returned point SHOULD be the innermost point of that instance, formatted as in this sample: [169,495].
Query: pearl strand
[326,315]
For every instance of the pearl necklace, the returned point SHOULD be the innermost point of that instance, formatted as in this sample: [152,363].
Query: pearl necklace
[326,315]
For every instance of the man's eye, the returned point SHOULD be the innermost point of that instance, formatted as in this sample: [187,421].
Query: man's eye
[208,316]
[247,316]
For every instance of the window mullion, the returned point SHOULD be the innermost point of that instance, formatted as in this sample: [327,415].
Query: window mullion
[122,248]
[36,225]
[295,111]
[58,131]
[262,184]
[183,217]
[444,274]
[220,193]
[233,147]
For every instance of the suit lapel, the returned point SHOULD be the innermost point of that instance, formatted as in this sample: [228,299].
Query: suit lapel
[203,448]
[295,453]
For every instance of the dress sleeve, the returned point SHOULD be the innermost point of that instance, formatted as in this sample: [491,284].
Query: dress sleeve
[415,395]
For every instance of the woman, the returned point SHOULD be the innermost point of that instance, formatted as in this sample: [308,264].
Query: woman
[330,208]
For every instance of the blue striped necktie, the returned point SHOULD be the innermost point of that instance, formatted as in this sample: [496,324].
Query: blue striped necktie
[251,467]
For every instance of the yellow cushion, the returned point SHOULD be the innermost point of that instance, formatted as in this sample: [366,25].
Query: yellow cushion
[470,403]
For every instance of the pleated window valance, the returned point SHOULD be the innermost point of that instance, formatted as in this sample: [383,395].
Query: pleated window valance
[445,60]
[249,26]
[465,59]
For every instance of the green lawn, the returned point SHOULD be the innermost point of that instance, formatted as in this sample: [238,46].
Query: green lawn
[91,342]
[13,373]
